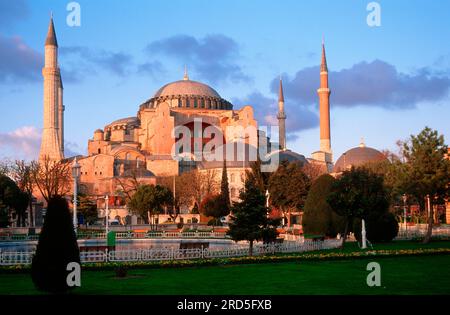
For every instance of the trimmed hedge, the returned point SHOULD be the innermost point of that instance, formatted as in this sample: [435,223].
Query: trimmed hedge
[318,217]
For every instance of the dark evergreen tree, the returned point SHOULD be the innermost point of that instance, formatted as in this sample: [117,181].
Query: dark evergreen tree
[224,189]
[57,247]
[318,217]
[250,220]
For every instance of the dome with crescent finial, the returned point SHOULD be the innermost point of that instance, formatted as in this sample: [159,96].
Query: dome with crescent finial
[357,157]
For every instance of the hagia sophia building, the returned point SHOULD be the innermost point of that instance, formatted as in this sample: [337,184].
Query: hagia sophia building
[142,145]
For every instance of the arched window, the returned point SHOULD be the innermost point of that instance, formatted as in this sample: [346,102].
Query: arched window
[232,178]
[195,103]
[188,103]
[180,103]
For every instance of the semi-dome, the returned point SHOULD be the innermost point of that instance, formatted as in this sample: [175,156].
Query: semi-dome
[186,87]
[357,157]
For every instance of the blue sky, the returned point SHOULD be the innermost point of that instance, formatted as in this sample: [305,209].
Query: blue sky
[387,82]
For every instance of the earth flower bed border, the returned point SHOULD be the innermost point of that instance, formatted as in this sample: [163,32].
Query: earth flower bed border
[309,256]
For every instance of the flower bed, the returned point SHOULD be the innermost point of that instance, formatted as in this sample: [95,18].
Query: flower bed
[310,256]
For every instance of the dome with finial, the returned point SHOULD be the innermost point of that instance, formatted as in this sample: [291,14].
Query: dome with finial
[357,157]
[187,93]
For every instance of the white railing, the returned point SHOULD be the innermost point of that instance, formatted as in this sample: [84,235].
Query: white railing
[160,254]
[126,235]
[413,233]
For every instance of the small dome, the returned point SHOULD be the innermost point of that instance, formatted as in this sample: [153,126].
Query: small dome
[98,131]
[288,155]
[186,87]
[357,157]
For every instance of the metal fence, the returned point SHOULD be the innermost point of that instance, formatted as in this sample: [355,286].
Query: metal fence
[125,235]
[161,254]
[418,233]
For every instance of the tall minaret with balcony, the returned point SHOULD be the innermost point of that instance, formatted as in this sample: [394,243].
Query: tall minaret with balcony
[53,129]
[281,118]
[324,155]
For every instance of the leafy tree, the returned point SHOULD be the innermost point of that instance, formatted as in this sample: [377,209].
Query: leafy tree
[428,170]
[379,227]
[249,220]
[57,247]
[22,173]
[150,200]
[288,187]
[88,208]
[12,198]
[318,217]
[214,206]
[356,194]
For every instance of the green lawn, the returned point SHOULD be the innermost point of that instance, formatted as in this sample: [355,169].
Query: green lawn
[399,275]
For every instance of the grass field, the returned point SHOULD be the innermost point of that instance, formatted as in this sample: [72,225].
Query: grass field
[399,275]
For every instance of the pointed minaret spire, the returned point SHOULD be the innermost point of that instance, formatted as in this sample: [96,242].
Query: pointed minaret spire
[281,118]
[51,35]
[280,92]
[324,105]
[186,76]
[323,65]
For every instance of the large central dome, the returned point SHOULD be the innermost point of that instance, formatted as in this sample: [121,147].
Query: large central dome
[186,87]
[187,94]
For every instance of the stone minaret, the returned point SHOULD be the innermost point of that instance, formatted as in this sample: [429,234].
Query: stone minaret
[52,133]
[281,118]
[61,115]
[324,105]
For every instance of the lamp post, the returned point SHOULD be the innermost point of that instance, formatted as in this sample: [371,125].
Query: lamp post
[405,198]
[75,174]
[106,214]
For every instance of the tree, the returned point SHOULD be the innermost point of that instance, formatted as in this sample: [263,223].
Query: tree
[22,173]
[150,200]
[57,247]
[249,220]
[428,170]
[318,217]
[288,187]
[52,178]
[379,227]
[259,178]
[12,198]
[356,194]
[224,189]
[88,208]
[214,206]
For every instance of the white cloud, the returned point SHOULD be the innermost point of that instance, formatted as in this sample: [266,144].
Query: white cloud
[22,143]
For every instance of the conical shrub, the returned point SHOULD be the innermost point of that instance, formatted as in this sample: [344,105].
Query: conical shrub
[57,248]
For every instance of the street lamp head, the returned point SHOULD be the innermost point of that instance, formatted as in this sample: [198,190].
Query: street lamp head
[75,169]
[405,198]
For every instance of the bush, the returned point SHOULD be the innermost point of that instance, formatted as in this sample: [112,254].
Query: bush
[57,247]
[379,228]
[318,217]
